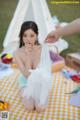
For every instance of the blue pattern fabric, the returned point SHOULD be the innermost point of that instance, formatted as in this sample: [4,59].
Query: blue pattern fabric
[22,81]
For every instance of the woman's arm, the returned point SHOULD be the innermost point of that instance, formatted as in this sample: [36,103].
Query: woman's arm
[22,67]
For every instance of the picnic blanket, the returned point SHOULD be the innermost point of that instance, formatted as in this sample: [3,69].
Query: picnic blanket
[58,107]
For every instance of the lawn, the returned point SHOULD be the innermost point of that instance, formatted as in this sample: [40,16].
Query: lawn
[67,13]
[63,12]
[7,8]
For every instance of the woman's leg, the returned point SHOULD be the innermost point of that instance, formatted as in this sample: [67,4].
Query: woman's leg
[43,96]
[28,103]
[39,108]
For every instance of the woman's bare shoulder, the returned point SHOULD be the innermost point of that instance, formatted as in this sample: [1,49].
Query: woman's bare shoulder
[18,51]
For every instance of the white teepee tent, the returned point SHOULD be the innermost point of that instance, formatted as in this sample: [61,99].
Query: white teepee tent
[35,10]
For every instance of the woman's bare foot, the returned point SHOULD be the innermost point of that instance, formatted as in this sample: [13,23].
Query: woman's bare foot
[39,108]
[29,103]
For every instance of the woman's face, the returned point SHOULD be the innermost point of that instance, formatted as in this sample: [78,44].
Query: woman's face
[29,37]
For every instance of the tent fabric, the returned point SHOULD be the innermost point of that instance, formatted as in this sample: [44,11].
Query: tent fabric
[28,10]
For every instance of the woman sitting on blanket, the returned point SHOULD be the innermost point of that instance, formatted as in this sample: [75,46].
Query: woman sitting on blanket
[34,62]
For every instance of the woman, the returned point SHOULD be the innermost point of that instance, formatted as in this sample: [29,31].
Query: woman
[36,71]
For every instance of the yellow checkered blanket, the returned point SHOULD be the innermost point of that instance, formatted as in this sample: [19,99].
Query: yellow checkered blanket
[58,107]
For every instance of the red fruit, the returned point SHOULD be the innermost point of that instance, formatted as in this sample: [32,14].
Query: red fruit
[6,60]
[76,78]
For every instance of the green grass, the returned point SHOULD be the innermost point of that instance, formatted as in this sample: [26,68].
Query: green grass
[67,13]
[7,8]
[64,12]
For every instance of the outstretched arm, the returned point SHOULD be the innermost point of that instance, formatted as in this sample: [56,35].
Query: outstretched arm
[71,28]
[21,66]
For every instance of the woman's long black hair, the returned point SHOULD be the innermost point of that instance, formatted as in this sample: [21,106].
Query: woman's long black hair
[25,26]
